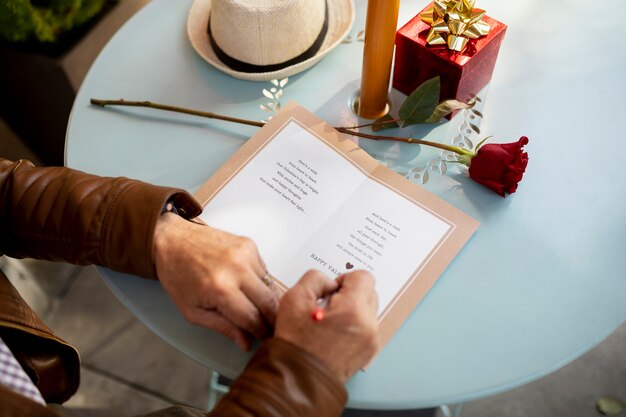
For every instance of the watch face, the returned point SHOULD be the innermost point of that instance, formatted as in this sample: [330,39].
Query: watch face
[169,207]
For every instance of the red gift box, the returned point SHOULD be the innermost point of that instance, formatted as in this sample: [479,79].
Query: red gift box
[463,74]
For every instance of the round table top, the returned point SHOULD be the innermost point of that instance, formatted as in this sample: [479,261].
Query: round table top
[542,280]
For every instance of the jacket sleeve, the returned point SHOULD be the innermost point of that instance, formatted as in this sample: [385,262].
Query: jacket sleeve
[281,380]
[61,214]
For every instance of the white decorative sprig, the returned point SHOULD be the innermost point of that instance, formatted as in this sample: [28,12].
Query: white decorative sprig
[360,37]
[465,139]
[274,94]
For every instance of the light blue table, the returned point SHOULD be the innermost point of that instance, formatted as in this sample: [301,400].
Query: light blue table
[541,282]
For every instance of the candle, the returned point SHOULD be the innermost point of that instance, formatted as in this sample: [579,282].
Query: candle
[380,32]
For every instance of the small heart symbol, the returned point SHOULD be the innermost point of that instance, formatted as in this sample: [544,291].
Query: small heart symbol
[349,265]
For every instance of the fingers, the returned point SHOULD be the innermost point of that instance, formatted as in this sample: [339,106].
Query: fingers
[255,289]
[214,320]
[349,324]
[317,284]
[245,250]
[214,277]
[263,297]
[361,285]
[244,256]
[244,314]
[261,263]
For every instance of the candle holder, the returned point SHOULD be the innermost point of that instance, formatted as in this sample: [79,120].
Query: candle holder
[355,101]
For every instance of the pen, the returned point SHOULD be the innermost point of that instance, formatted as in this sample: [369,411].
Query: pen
[320,310]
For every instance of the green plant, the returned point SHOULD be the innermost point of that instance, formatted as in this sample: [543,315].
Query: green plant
[44,20]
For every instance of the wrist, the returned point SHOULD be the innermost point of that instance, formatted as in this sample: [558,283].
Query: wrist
[163,231]
[169,214]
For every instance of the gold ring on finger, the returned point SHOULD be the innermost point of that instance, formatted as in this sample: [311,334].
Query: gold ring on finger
[267,280]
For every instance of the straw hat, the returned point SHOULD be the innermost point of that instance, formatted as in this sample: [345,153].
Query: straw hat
[262,40]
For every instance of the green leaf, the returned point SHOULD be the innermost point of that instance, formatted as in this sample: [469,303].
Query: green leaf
[385,122]
[446,107]
[421,103]
[610,406]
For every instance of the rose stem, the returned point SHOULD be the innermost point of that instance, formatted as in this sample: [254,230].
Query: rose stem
[210,115]
[122,102]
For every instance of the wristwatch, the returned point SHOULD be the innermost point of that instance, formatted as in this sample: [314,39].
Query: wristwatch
[170,207]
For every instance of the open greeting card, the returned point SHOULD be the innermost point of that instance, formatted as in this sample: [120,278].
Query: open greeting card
[312,199]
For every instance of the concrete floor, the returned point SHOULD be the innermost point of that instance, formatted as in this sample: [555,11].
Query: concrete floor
[128,370]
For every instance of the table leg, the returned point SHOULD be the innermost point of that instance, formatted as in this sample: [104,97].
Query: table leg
[452,410]
[215,390]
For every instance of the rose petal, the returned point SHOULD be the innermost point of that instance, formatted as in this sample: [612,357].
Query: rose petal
[500,167]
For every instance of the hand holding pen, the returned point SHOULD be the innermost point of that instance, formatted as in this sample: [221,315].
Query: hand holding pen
[345,337]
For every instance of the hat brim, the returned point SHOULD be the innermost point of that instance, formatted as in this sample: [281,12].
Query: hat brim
[340,19]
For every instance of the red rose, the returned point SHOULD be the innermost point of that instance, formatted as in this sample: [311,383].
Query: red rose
[500,166]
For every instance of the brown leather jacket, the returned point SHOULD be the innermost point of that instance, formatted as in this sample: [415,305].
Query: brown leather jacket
[64,215]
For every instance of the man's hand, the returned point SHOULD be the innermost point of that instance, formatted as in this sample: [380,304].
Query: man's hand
[347,337]
[214,278]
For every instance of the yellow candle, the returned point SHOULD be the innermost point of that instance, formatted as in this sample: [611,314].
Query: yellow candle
[380,32]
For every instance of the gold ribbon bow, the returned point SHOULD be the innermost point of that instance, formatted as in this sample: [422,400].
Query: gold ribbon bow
[454,23]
